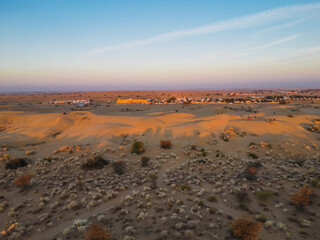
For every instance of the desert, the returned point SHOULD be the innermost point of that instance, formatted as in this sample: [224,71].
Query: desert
[158,171]
[159,120]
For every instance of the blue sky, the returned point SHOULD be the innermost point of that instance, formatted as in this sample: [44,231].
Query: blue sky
[138,45]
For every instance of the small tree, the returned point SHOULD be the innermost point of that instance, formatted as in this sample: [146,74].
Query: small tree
[96,232]
[302,197]
[145,161]
[119,167]
[246,229]
[23,181]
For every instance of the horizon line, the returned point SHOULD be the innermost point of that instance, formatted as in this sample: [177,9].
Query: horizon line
[167,90]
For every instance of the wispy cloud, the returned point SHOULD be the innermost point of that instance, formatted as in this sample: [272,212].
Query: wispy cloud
[306,52]
[252,50]
[281,26]
[298,55]
[248,21]
[277,42]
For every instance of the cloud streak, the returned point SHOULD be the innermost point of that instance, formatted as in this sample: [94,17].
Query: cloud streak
[277,42]
[263,46]
[282,26]
[243,22]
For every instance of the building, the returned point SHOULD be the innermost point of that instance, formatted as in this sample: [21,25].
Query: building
[133,101]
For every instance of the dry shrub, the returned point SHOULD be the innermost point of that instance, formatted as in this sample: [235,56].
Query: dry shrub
[119,167]
[165,144]
[315,128]
[153,177]
[251,173]
[16,163]
[246,229]
[302,197]
[253,170]
[97,163]
[62,149]
[145,161]
[23,180]
[244,200]
[96,232]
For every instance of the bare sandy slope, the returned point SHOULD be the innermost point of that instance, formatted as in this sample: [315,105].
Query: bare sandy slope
[152,124]
[109,131]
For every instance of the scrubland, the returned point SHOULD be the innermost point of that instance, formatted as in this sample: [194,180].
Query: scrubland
[160,172]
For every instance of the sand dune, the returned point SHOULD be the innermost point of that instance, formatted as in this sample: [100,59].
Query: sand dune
[24,128]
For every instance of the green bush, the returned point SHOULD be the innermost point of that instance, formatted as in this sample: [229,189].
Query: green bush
[262,218]
[204,153]
[264,195]
[315,183]
[201,204]
[185,187]
[137,147]
[252,155]
[212,198]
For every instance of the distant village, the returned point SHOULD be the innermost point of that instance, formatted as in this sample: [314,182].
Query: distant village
[80,103]
[220,98]
[227,99]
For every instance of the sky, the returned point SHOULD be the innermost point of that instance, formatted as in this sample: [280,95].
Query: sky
[101,45]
